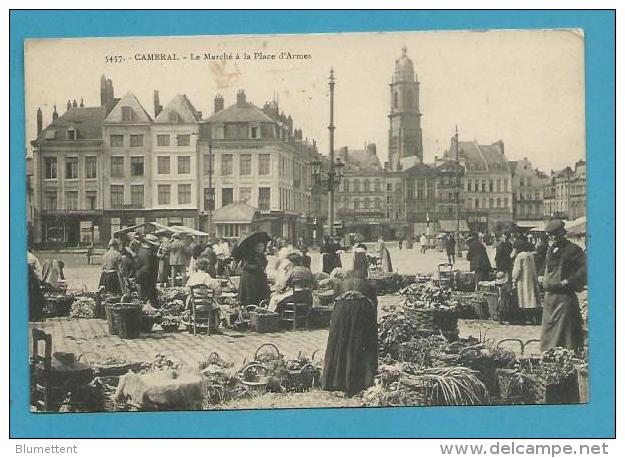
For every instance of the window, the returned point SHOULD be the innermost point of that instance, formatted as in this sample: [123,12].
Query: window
[264,198]
[184,140]
[226,164]
[498,202]
[163,165]
[173,116]
[91,167]
[491,186]
[116,224]
[367,204]
[378,204]
[92,199]
[345,185]
[245,164]
[227,196]
[117,195]
[498,185]
[483,185]
[491,203]
[184,165]
[356,185]
[136,140]
[388,199]
[136,166]
[505,184]
[184,193]
[477,203]
[117,166]
[218,132]
[71,200]
[209,198]
[389,187]
[162,140]
[377,185]
[51,200]
[254,132]
[264,164]
[49,164]
[245,194]
[521,182]
[367,186]
[469,185]
[505,202]
[127,114]
[209,164]
[71,133]
[117,140]
[71,168]
[164,194]
[136,195]
[356,204]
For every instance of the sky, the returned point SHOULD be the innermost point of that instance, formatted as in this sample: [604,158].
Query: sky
[523,87]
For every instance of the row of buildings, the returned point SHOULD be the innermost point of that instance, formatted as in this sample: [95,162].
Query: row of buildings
[97,169]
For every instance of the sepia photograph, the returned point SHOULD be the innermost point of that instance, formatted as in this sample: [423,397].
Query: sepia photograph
[332,220]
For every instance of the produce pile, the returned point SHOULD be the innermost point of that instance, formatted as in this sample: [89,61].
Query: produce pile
[389,282]
[83,307]
[160,362]
[428,295]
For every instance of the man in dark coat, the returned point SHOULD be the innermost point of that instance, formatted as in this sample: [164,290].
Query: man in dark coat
[478,259]
[147,269]
[503,255]
[564,275]
[450,248]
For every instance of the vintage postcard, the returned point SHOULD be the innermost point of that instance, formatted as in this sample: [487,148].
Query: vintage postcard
[301,221]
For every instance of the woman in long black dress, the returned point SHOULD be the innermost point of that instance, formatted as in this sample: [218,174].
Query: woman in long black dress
[351,359]
[329,256]
[254,286]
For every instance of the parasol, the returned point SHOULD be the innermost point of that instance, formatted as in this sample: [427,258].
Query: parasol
[247,243]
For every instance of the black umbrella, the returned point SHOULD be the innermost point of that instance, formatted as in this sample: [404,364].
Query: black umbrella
[246,245]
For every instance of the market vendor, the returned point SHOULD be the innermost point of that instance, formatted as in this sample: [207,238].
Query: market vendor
[478,259]
[351,358]
[564,275]
[253,286]
[147,269]
[297,287]
[385,255]
[52,272]
[360,259]
[111,277]
[330,258]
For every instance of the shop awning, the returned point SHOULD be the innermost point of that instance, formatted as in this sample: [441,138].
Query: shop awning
[145,228]
[530,224]
[449,225]
[187,230]
[237,213]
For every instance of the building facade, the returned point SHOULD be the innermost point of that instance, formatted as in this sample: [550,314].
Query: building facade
[565,193]
[255,156]
[487,183]
[578,191]
[528,187]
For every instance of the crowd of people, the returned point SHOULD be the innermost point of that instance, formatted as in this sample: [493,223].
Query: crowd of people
[524,265]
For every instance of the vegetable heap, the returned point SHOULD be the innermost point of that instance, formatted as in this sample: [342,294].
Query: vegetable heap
[83,307]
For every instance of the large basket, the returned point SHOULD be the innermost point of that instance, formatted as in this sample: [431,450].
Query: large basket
[492,300]
[265,322]
[436,321]
[127,320]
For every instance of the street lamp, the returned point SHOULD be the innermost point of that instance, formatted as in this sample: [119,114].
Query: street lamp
[458,187]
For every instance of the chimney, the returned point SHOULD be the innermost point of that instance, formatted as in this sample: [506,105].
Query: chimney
[500,145]
[110,95]
[69,104]
[39,121]
[74,105]
[219,103]
[371,149]
[241,98]
[103,99]
[157,104]
[82,103]
[55,115]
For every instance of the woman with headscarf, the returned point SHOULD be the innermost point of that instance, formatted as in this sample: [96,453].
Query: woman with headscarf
[351,358]
[385,256]
[330,259]
[147,269]
[360,259]
[297,286]
[254,287]
[111,277]
[526,280]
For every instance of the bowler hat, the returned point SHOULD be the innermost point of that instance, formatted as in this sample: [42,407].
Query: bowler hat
[554,225]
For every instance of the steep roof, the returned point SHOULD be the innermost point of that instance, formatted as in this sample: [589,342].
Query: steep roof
[513,165]
[361,160]
[184,109]
[494,157]
[420,169]
[87,121]
[129,100]
[241,112]
[481,157]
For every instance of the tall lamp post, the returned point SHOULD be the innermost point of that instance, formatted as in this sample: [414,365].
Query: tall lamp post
[458,248]
[335,171]
[211,192]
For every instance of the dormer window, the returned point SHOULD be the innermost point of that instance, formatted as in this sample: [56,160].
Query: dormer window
[127,114]
[254,132]
[71,133]
[173,116]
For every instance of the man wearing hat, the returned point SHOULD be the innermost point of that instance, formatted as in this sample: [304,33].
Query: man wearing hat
[564,275]
[147,269]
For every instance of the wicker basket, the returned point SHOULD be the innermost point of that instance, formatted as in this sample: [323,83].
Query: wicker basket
[265,322]
[127,320]
[436,321]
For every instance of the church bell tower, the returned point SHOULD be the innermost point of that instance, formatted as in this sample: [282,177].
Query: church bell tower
[405,137]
